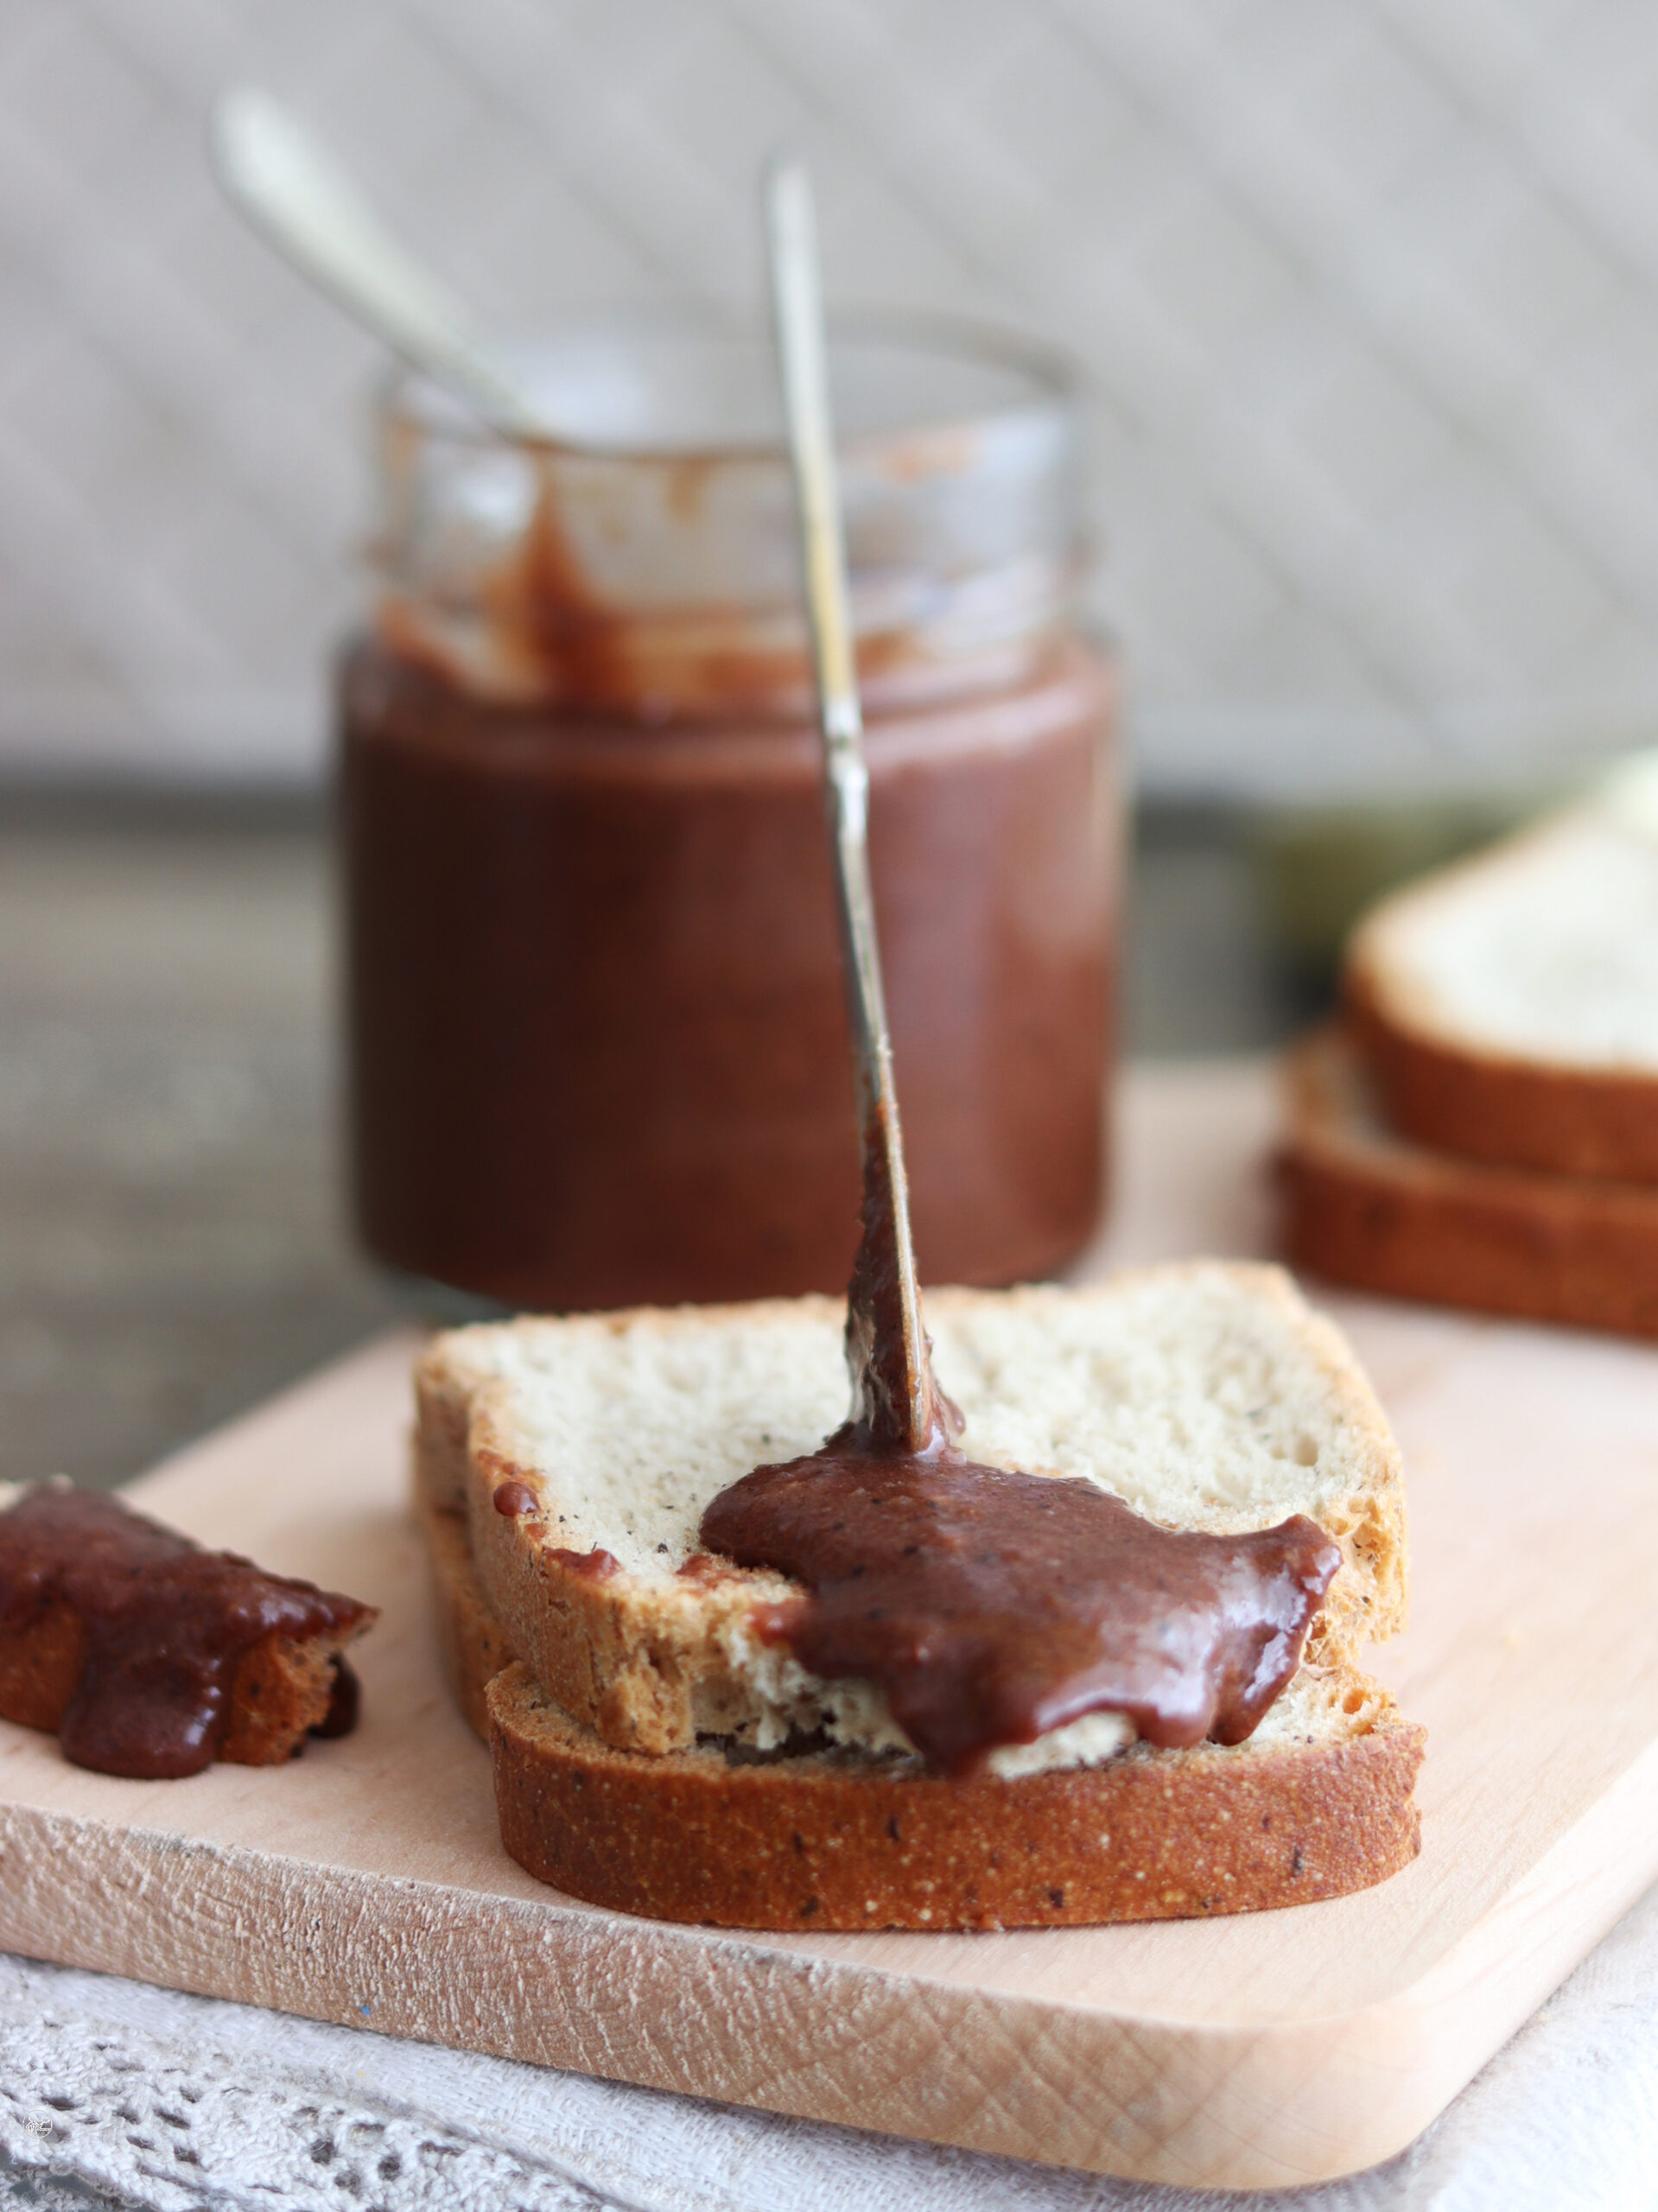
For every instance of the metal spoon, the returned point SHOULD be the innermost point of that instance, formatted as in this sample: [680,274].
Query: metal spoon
[307,205]
[895,1401]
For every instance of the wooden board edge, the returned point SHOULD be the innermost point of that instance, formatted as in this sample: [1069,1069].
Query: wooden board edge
[1473,1997]
[715,2016]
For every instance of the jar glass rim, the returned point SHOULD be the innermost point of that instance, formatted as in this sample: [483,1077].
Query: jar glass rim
[1038,379]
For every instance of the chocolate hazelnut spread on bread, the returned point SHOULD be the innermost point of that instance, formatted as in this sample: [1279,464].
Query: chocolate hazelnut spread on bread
[991,1605]
[143,1650]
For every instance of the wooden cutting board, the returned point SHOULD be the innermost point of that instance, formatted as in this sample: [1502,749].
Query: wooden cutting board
[365,1883]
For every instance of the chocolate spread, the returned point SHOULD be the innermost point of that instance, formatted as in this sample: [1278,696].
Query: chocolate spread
[990,1606]
[993,1606]
[164,1624]
[598,1048]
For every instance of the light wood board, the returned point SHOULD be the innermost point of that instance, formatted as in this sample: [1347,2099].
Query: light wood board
[365,1883]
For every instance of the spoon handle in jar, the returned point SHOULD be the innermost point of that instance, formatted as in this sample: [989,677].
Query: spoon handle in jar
[893,1397]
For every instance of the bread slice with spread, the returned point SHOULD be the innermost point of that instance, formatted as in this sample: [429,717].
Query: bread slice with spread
[655,1753]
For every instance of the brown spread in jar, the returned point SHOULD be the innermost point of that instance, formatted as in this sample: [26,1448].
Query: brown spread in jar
[597,1039]
[157,1625]
[597,1035]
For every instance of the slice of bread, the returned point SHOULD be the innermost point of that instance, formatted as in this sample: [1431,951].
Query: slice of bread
[1360,1205]
[1316,1803]
[474,1649]
[1508,1006]
[282,1687]
[1208,1396]
[281,1692]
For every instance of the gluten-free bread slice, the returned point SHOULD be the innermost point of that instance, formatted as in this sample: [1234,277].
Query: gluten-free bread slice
[149,1648]
[1207,1395]
[1362,1206]
[1508,1006]
[1316,1803]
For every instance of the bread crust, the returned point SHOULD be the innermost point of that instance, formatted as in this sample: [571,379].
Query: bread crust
[1358,1207]
[1496,1107]
[280,1689]
[473,1648]
[827,1841]
[834,1840]
[646,1661]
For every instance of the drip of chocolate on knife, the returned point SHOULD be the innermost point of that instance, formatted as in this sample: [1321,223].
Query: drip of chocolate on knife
[991,1605]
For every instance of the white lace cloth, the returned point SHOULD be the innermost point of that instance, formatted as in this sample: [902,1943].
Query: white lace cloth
[110,2090]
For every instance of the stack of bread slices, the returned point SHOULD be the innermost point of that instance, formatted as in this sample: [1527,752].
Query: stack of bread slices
[654,1752]
[1482,1129]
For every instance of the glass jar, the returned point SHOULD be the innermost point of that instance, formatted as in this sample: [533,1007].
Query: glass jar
[598,1049]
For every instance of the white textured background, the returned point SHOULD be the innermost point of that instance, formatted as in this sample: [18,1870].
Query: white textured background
[1367,291]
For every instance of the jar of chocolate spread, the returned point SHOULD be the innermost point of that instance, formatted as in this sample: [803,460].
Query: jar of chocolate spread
[598,1048]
